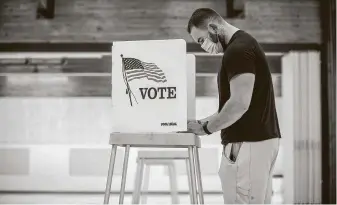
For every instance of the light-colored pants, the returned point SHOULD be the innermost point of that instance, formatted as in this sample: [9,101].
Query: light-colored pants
[247,179]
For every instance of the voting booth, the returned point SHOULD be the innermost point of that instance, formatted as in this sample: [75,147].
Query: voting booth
[149,86]
[153,96]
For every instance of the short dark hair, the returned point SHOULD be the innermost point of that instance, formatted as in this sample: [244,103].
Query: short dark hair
[200,17]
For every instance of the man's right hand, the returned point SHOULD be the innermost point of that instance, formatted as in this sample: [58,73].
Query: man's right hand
[191,121]
[194,121]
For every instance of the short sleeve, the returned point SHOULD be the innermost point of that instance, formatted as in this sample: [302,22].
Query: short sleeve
[241,60]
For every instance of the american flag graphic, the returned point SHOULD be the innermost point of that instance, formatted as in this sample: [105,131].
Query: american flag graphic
[136,69]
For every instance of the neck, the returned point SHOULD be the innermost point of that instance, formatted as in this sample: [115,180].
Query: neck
[228,32]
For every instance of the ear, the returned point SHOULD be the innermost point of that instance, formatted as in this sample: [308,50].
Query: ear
[213,28]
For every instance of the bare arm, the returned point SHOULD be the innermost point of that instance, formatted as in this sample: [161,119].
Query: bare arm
[208,118]
[241,87]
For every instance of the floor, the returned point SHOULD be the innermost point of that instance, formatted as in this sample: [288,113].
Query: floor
[67,198]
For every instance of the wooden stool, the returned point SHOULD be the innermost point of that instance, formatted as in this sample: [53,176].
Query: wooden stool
[165,158]
[156,140]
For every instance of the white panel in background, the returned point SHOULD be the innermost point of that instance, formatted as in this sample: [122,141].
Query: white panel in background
[149,91]
[55,120]
[49,161]
[14,161]
[190,65]
[97,158]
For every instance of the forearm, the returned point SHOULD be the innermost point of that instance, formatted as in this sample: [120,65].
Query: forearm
[229,114]
[208,118]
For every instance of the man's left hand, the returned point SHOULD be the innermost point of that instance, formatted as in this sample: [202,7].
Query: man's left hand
[196,128]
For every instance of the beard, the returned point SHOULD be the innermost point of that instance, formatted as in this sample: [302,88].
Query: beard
[222,41]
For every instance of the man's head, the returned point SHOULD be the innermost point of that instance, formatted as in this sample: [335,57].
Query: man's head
[206,26]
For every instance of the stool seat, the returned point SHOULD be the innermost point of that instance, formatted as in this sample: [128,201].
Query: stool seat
[163,155]
[156,161]
[175,140]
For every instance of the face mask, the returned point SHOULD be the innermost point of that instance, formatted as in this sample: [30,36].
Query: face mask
[211,47]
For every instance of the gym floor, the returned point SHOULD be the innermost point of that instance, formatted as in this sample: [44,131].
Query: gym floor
[97,198]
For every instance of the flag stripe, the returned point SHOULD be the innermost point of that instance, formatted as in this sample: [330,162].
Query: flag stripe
[145,74]
[136,69]
[140,71]
[148,77]
[136,77]
[156,79]
[128,72]
[153,68]
[154,72]
[155,75]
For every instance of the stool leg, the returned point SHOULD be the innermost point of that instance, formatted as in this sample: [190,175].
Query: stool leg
[146,183]
[125,169]
[188,172]
[198,173]
[138,181]
[173,183]
[192,171]
[110,174]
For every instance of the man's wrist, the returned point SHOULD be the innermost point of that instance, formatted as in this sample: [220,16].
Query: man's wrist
[204,127]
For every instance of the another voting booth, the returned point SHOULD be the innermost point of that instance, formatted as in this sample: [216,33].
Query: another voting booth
[153,96]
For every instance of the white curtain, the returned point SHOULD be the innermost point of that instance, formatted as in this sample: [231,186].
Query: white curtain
[301,127]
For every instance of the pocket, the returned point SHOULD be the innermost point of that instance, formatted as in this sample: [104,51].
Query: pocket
[227,158]
[232,152]
[227,174]
[236,147]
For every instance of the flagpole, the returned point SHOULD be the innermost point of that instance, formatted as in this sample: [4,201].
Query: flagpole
[126,81]
[132,94]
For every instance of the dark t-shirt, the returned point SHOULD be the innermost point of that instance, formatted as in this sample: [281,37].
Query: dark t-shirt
[244,55]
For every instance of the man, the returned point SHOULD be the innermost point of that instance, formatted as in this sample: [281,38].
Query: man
[246,115]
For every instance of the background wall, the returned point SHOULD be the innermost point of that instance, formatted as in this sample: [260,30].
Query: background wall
[272,21]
